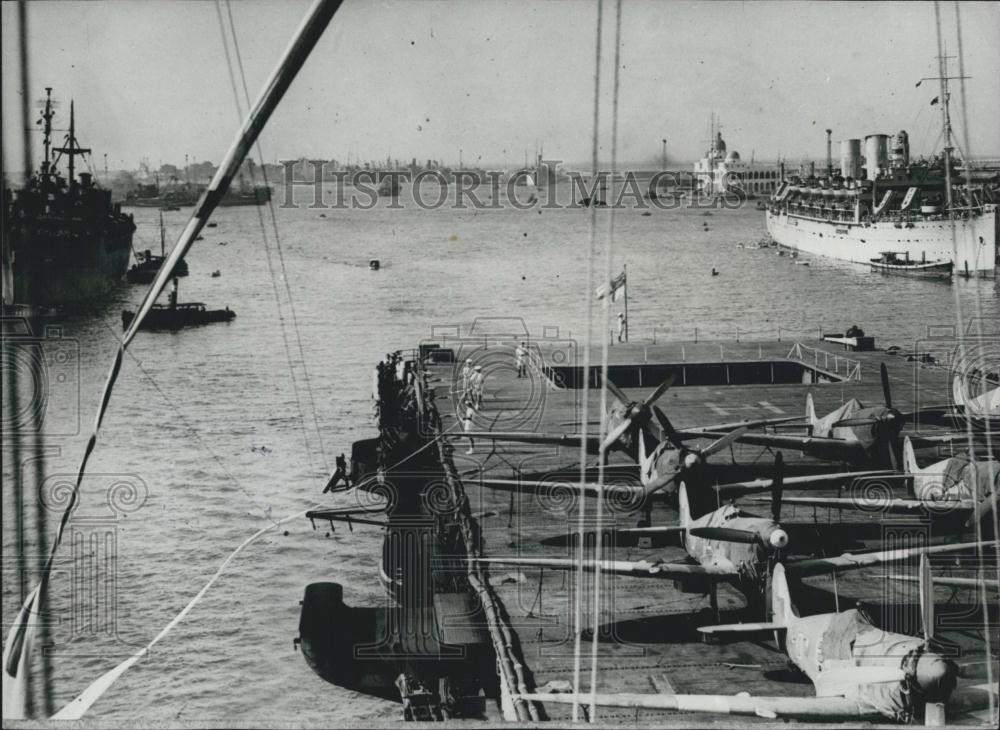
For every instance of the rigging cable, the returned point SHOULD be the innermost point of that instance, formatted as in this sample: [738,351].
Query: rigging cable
[605,344]
[582,509]
[22,633]
[268,257]
[967,155]
[76,708]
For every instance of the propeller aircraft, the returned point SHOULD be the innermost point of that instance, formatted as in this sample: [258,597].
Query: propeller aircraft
[853,433]
[983,406]
[731,546]
[859,671]
[957,486]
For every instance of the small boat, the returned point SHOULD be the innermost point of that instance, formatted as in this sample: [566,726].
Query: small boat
[801,263]
[889,262]
[186,314]
[374,264]
[169,208]
[148,264]
[216,274]
[174,316]
[211,225]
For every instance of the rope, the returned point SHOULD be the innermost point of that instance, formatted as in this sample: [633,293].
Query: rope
[605,320]
[284,272]
[983,597]
[83,702]
[582,511]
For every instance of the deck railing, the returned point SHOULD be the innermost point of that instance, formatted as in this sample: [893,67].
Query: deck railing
[846,367]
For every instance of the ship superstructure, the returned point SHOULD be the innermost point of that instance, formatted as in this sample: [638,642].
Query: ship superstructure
[65,241]
[882,201]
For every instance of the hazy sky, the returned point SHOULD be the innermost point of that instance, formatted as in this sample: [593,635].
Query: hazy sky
[425,79]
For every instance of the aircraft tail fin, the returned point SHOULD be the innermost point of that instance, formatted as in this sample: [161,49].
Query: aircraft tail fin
[781,598]
[683,506]
[957,391]
[684,513]
[810,410]
[909,458]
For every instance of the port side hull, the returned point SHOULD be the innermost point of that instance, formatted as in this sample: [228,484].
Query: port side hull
[52,270]
[970,244]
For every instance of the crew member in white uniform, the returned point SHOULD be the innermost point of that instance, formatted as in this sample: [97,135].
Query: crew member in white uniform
[466,376]
[477,380]
[470,412]
[521,359]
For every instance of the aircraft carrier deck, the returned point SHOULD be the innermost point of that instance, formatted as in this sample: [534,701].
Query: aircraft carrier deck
[648,640]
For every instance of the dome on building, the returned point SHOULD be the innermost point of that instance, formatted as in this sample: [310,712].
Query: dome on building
[733,156]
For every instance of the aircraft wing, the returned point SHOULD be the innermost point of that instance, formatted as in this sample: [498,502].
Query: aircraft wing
[527,437]
[646,537]
[636,568]
[738,489]
[990,585]
[926,440]
[813,708]
[557,488]
[847,561]
[829,448]
[734,425]
[893,505]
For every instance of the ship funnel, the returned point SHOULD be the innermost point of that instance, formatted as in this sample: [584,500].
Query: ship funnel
[876,154]
[900,153]
[850,158]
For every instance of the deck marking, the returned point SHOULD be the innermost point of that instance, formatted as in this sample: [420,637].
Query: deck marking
[727,410]
[770,407]
[662,684]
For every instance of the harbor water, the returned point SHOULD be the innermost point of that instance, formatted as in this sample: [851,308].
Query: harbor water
[214,433]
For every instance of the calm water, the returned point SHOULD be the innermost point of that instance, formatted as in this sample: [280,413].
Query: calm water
[192,410]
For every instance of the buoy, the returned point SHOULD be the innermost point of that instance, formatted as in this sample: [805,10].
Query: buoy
[374,265]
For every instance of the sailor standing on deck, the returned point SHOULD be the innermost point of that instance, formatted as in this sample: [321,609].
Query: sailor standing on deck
[470,412]
[466,375]
[173,294]
[621,326]
[340,473]
[521,359]
[477,381]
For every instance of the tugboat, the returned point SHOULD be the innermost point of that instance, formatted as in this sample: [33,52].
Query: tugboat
[64,240]
[148,264]
[174,316]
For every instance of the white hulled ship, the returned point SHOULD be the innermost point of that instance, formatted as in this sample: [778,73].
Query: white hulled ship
[925,211]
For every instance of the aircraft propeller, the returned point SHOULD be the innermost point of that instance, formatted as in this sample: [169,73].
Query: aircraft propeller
[887,425]
[691,458]
[776,539]
[637,414]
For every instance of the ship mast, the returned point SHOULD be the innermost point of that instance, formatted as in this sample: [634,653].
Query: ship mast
[71,147]
[47,115]
[943,78]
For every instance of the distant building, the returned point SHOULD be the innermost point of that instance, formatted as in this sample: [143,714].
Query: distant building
[719,172]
